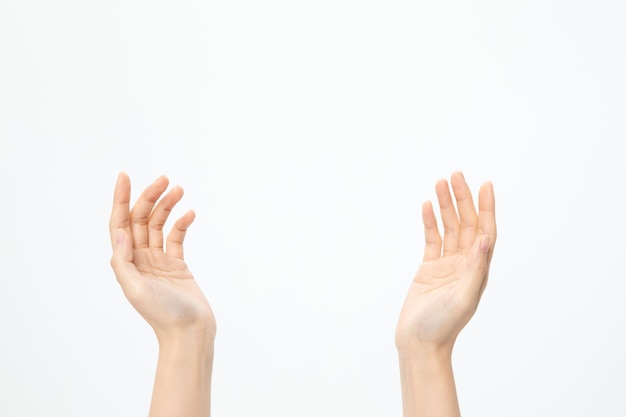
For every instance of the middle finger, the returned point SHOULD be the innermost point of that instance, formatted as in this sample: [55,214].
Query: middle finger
[467,212]
[159,216]
[141,211]
[449,218]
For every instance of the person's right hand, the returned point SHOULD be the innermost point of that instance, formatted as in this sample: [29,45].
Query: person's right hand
[448,285]
[157,282]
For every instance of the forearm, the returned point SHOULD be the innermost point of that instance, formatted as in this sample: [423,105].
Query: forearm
[427,380]
[182,386]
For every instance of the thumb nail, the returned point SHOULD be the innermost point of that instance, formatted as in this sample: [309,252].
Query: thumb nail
[484,243]
[120,239]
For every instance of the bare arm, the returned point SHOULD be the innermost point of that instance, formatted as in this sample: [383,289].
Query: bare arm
[444,296]
[161,288]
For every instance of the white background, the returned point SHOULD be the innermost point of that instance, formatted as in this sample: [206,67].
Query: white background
[306,136]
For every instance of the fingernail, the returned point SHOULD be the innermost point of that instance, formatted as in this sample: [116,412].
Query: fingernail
[484,243]
[119,239]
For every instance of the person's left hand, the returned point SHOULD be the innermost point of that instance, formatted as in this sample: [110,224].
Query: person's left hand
[157,282]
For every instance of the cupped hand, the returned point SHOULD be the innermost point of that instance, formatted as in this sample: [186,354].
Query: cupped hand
[452,277]
[155,280]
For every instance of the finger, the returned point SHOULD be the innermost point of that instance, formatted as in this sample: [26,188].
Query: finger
[487,215]
[159,216]
[485,239]
[478,266]
[449,218]
[432,248]
[177,235]
[141,211]
[122,260]
[467,212]
[120,217]
[487,222]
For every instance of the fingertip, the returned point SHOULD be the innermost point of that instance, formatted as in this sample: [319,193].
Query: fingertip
[486,198]
[185,220]
[157,188]
[442,187]
[162,180]
[460,187]
[176,193]
[121,193]
[457,175]
[487,185]
[428,212]
[441,182]
[191,215]
[179,189]
[121,178]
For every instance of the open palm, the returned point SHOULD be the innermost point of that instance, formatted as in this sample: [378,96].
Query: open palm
[448,285]
[157,282]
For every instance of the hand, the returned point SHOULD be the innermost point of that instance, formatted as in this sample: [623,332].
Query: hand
[156,282]
[447,287]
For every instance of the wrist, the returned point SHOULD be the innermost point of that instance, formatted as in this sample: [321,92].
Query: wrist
[427,381]
[182,384]
[410,344]
[192,340]
[427,352]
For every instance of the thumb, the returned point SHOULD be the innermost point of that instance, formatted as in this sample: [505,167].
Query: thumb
[122,259]
[477,263]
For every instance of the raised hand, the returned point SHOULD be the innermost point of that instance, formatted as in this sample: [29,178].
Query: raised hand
[448,285]
[155,280]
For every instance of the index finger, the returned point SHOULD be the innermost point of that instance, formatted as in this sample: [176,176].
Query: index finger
[487,212]
[120,214]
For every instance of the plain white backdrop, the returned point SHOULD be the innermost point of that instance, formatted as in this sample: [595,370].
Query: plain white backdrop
[307,135]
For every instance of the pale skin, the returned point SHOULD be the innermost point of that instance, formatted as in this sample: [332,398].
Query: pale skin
[444,296]
[155,279]
[441,299]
